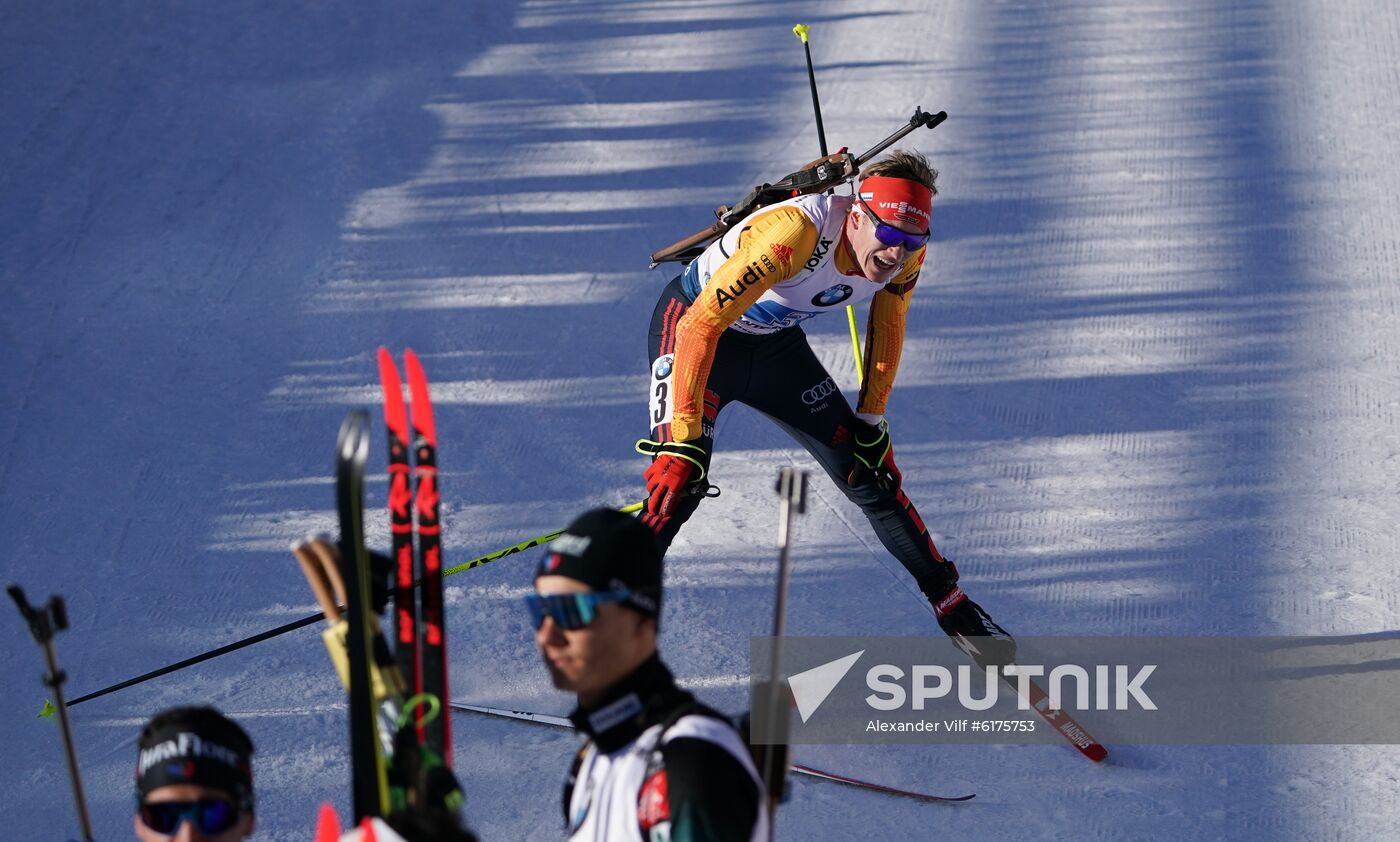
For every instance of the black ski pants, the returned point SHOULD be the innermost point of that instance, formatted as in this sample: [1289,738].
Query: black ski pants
[778,375]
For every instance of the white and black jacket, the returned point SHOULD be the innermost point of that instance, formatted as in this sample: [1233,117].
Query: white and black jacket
[660,766]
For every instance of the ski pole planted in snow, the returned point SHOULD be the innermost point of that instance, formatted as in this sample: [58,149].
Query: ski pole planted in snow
[43,624]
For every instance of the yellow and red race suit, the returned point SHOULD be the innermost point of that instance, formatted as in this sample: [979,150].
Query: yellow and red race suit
[787,263]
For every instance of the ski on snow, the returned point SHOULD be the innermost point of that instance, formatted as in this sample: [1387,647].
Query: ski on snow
[796,768]
[1061,721]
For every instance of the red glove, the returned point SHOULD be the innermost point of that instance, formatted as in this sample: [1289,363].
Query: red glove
[676,465]
[666,477]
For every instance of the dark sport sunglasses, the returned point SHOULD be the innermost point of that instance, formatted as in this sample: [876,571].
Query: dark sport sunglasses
[892,236]
[572,611]
[211,815]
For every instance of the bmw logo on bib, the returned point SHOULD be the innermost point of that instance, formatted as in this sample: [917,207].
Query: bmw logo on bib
[832,295]
[662,368]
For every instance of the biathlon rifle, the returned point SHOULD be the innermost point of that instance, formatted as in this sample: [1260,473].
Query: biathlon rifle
[816,177]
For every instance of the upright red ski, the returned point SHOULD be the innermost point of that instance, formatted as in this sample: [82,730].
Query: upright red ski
[401,525]
[433,642]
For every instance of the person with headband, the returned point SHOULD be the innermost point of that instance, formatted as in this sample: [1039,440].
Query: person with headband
[194,778]
[657,764]
[728,329]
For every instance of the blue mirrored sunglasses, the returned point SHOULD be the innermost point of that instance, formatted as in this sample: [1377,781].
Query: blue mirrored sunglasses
[211,815]
[571,611]
[892,236]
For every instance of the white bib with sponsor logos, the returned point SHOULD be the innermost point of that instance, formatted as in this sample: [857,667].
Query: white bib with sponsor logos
[817,288]
[604,803]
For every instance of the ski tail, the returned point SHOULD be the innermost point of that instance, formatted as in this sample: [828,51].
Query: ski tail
[433,642]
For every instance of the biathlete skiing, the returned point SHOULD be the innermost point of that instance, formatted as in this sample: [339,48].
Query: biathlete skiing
[728,328]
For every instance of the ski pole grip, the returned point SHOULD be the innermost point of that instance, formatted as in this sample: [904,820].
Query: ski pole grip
[25,609]
[42,622]
[792,489]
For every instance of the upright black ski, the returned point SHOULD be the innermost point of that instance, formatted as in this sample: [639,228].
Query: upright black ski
[368,777]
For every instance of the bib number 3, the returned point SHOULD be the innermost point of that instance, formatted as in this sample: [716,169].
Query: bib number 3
[661,390]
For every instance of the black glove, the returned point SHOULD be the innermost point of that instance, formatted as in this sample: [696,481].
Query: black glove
[973,630]
[874,455]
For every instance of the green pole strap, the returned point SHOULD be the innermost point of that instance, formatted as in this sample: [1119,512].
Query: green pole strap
[427,700]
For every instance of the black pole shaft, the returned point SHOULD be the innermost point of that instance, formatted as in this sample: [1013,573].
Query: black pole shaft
[792,491]
[816,104]
[44,623]
[198,659]
[55,681]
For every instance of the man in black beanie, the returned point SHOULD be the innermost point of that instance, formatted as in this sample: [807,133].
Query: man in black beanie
[194,778]
[657,763]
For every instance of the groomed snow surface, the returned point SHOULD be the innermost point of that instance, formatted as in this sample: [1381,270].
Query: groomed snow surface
[1150,382]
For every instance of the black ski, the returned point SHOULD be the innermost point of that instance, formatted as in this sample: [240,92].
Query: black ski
[368,779]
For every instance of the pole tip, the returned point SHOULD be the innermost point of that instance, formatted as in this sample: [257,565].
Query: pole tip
[800,31]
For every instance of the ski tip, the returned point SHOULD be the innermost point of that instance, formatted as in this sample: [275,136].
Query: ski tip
[1096,753]
[327,824]
[412,366]
[388,370]
[48,710]
[418,392]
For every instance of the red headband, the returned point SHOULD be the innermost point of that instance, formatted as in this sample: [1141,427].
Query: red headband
[898,200]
